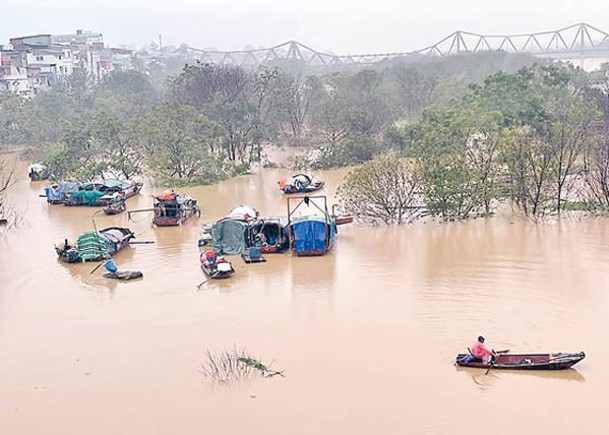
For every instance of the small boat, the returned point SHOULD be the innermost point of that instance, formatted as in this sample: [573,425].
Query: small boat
[37,172]
[95,246]
[215,266]
[300,183]
[524,361]
[125,275]
[115,207]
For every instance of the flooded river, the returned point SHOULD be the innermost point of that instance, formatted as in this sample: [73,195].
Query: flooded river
[366,334]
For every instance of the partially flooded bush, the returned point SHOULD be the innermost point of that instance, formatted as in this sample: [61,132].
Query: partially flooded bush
[234,365]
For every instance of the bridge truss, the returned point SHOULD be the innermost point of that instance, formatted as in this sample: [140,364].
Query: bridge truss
[576,40]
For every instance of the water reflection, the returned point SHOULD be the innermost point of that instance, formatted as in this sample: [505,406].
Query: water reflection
[485,381]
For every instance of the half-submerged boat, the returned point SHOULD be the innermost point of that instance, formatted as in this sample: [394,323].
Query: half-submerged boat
[524,361]
[312,232]
[215,266]
[95,246]
[300,183]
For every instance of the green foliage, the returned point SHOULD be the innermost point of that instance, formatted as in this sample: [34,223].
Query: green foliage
[384,191]
[179,143]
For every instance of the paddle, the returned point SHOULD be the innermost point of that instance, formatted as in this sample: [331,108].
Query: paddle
[141,242]
[494,360]
[97,267]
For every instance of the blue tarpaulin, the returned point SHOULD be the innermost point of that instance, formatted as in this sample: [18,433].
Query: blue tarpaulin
[310,235]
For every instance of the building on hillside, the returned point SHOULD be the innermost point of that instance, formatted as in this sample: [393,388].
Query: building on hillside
[13,73]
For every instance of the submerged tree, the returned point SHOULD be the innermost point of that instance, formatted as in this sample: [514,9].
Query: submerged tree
[385,191]
[178,141]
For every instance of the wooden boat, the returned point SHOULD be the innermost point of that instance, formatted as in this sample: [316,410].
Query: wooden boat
[343,220]
[300,183]
[92,246]
[215,266]
[524,361]
[172,209]
[115,207]
[37,172]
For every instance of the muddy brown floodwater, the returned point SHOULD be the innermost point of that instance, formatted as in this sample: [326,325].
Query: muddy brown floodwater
[366,334]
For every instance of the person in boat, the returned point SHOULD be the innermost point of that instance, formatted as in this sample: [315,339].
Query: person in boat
[210,258]
[481,352]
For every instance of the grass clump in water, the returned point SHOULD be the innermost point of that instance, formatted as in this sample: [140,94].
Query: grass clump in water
[234,365]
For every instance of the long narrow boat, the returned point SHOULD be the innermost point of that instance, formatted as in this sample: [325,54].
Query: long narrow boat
[525,361]
[92,246]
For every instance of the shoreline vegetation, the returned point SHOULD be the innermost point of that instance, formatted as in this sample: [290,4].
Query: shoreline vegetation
[450,138]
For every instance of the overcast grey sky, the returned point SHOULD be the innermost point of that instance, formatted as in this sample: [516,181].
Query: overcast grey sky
[340,26]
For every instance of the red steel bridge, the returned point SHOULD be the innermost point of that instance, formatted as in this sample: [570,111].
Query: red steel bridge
[578,41]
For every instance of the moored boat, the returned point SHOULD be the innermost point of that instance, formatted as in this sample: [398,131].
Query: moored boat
[115,207]
[243,228]
[215,266]
[91,194]
[300,183]
[172,209]
[95,246]
[524,361]
[311,227]
[37,172]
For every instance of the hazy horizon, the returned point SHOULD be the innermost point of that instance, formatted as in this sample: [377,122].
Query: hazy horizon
[340,26]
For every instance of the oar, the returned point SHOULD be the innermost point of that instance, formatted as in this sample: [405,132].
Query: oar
[141,242]
[97,267]
[493,362]
[201,284]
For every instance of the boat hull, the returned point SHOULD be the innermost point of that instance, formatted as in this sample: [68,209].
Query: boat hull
[534,361]
[214,273]
[72,254]
[315,186]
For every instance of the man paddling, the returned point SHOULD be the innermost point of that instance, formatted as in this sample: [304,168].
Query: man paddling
[480,351]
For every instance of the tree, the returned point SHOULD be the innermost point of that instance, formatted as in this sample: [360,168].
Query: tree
[385,190]
[10,217]
[118,145]
[178,141]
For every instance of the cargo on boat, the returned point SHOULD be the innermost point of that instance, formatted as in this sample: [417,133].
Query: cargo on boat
[215,266]
[171,209]
[243,228]
[91,194]
[300,183]
[37,172]
[116,206]
[95,246]
[524,361]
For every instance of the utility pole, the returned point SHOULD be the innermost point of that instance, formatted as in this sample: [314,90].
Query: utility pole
[160,43]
